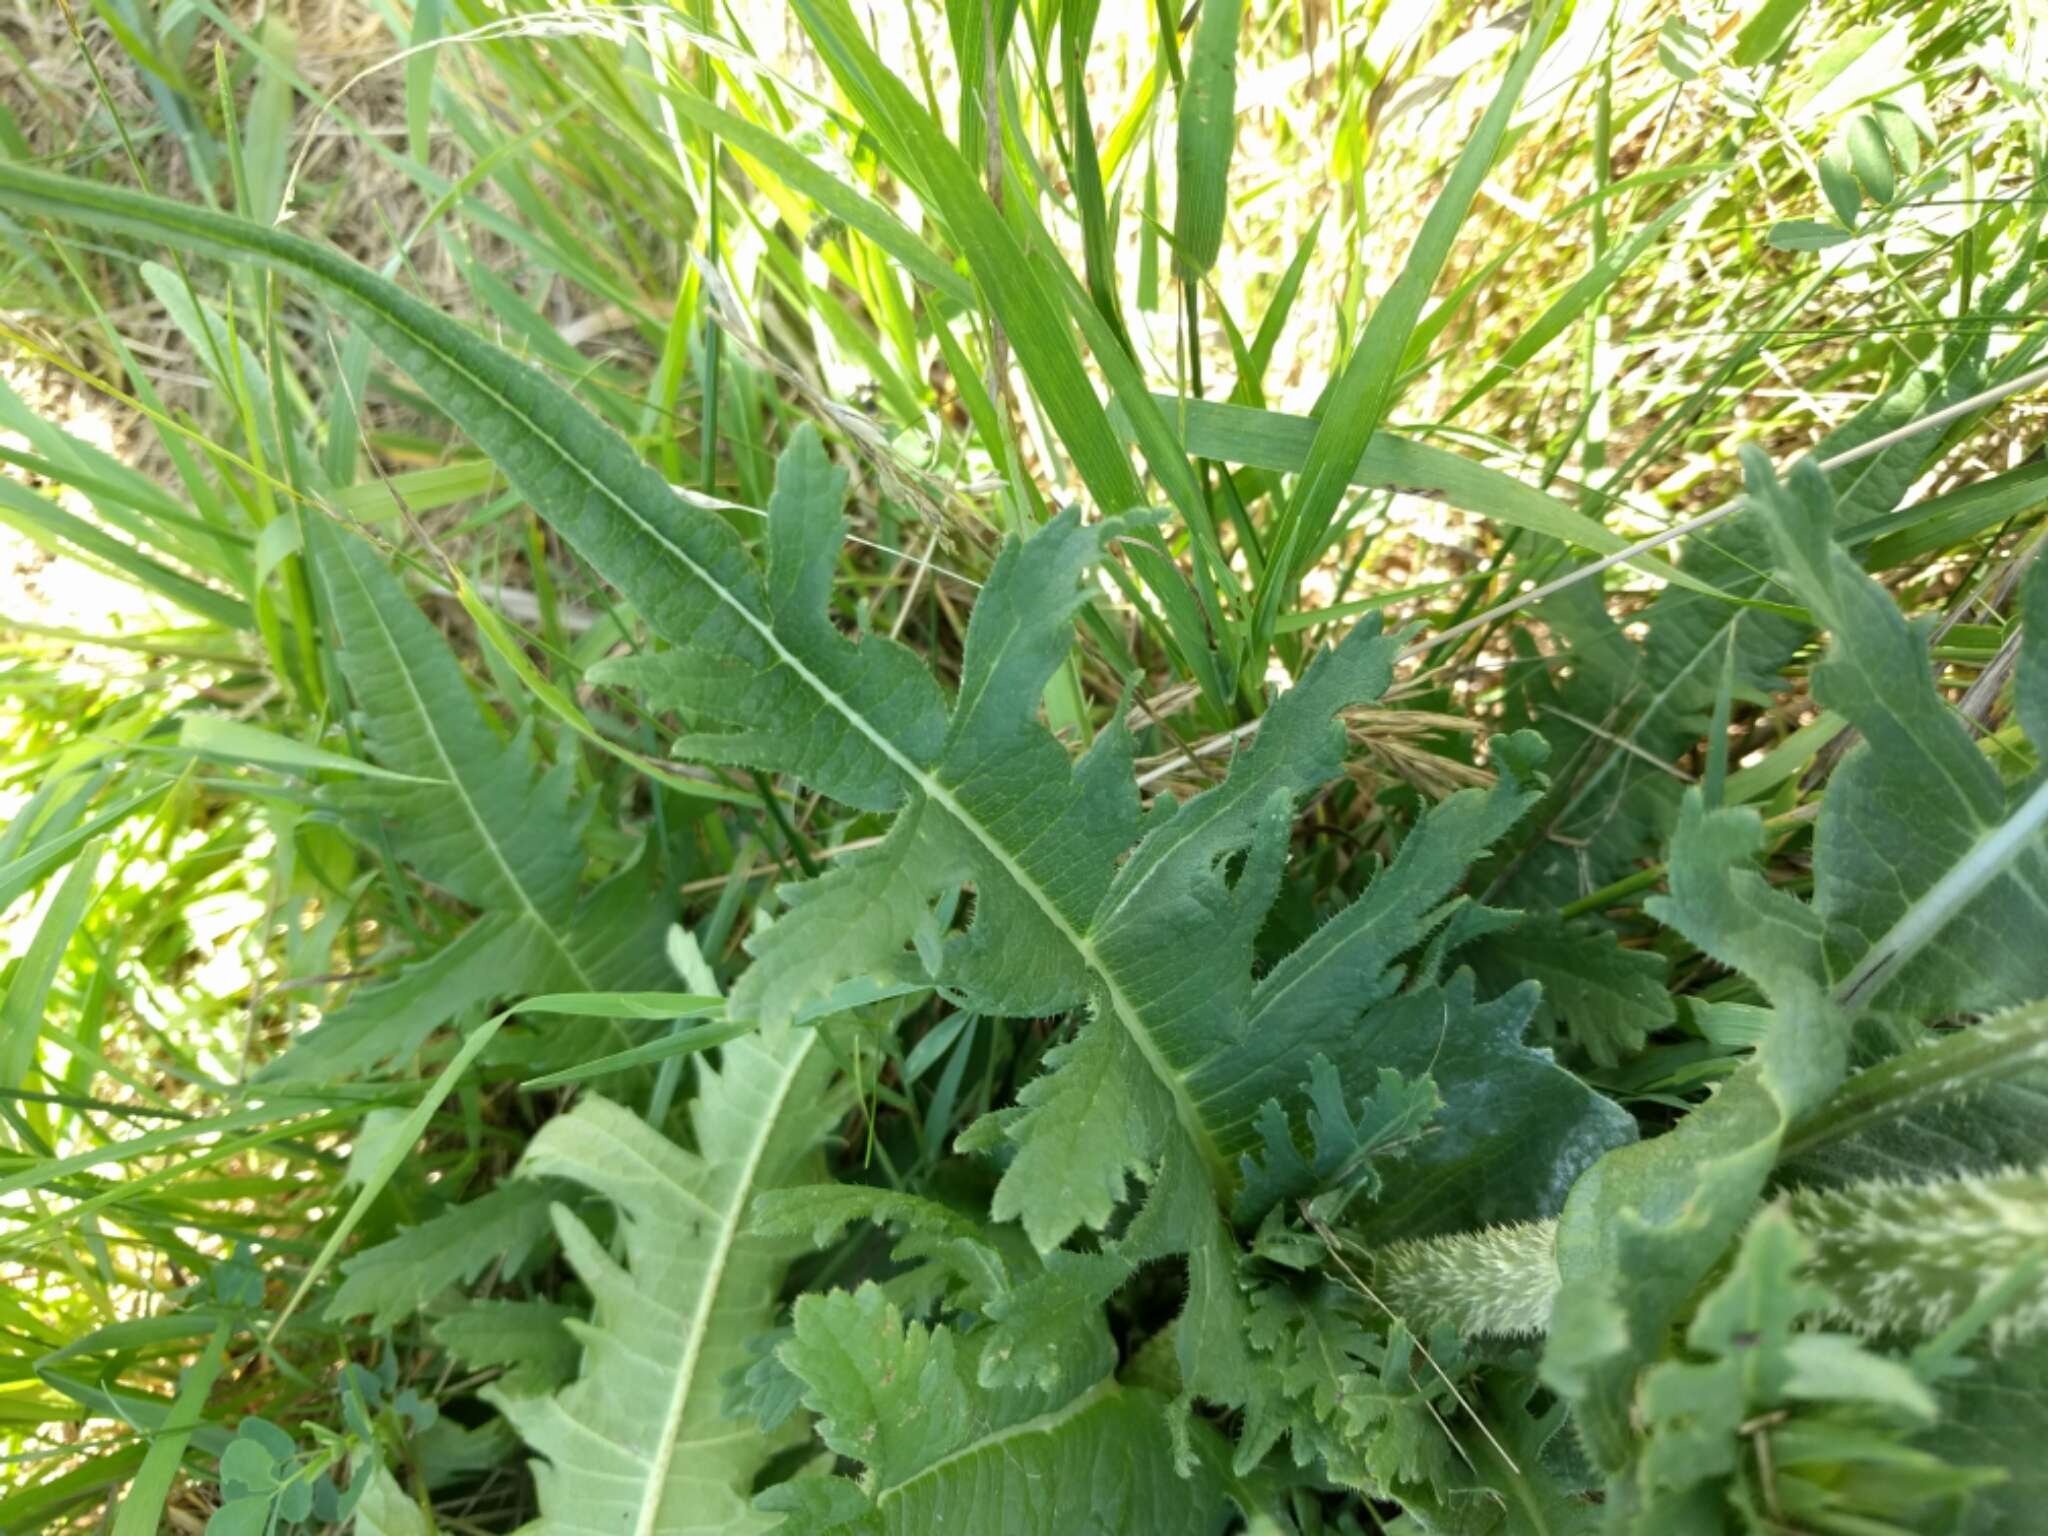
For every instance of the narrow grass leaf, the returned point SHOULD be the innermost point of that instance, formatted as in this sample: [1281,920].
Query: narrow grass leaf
[1363,391]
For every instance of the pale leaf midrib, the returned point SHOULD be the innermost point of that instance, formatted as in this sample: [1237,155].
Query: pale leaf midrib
[1043,1424]
[1986,861]
[932,787]
[454,778]
[707,1298]
[2001,1047]
[312,261]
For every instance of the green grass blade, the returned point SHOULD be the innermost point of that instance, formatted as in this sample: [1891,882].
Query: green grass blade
[1275,440]
[1205,136]
[1043,340]
[396,1149]
[59,531]
[142,1506]
[239,742]
[683,1043]
[1365,389]
[1098,222]
[28,994]
[1565,311]
[506,646]
[799,172]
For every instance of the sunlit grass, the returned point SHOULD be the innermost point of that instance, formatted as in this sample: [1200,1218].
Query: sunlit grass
[1612,321]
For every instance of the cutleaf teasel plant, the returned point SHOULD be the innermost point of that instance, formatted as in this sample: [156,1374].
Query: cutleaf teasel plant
[775,873]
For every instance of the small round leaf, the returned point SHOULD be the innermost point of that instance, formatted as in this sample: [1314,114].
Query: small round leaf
[248,1464]
[1872,157]
[1804,235]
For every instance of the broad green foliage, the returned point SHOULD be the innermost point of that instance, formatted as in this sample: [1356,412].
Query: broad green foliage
[1965,1099]
[1920,801]
[943,1450]
[1080,901]
[990,795]
[385,1510]
[529,1339]
[482,824]
[1990,1416]
[1170,1055]
[1624,719]
[399,1276]
[1606,998]
[1646,1225]
[487,829]
[1825,1393]
[1892,1259]
[1346,1146]
[639,1442]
